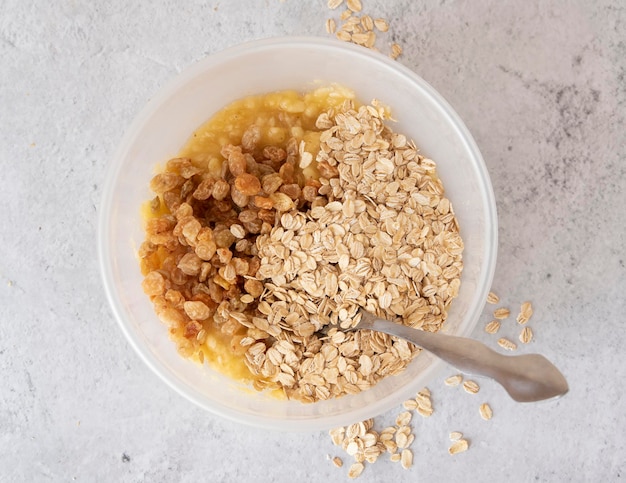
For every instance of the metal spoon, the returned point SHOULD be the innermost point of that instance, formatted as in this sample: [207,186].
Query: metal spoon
[526,378]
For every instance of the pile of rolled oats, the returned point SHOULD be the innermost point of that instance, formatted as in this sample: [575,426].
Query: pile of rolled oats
[385,239]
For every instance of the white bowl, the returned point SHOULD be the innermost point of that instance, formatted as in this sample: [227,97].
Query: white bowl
[166,123]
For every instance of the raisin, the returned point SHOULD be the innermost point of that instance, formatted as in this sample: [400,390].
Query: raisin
[267,216]
[271,182]
[204,189]
[263,203]
[287,172]
[292,190]
[221,189]
[253,287]
[239,198]
[248,215]
[165,182]
[309,193]
[274,153]
[153,284]
[248,184]
[237,163]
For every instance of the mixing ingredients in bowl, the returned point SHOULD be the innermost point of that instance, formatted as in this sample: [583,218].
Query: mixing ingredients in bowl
[283,215]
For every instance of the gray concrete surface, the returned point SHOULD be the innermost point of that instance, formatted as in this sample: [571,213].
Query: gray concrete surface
[540,84]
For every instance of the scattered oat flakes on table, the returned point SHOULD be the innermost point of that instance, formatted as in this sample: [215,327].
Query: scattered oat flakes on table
[507,344]
[354,5]
[396,51]
[331,28]
[485,411]
[337,435]
[492,298]
[453,380]
[410,404]
[458,447]
[471,387]
[355,470]
[424,403]
[381,25]
[492,327]
[526,313]
[403,419]
[455,435]
[343,35]
[501,313]
[345,15]
[526,336]
[406,459]
[367,23]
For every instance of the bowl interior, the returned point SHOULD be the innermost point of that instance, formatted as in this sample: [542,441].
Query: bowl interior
[165,124]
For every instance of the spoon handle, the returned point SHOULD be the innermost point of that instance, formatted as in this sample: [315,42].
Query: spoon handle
[526,378]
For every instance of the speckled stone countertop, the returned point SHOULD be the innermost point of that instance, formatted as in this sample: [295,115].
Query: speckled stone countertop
[540,84]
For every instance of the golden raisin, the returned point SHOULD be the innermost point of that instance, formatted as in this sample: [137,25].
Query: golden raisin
[248,184]
[248,215]
[189,227]
[252,166]
[155,204]
[171,317]
[192,328]
[309,193]
[292,147]
[178,277]
[175,298]
[225,255]
[223,237]
[204,189]
[172,200]
[197,310]
[159,225]
[237,163]
[253,266]
[220,189]
[241,266]
[282,202]
[186,189]
[205,234]
[292,190]
[253,287]
[239,198]
[263,202]
[206,249]
[267,216]
[251,137]
[190,264]
[165,182]
[271,182]
[253,226]
[176,164]
[215,292]
[274,153]
[153,284]
[221,207]
[287,172]
[228,149]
